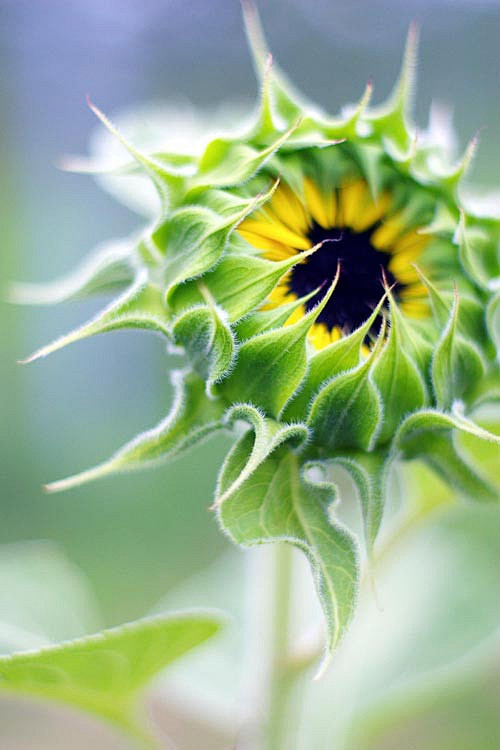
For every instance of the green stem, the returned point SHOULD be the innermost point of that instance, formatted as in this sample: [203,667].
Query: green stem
[280,677]
[271,666]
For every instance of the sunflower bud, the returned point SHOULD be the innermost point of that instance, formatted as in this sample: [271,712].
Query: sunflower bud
[328,288]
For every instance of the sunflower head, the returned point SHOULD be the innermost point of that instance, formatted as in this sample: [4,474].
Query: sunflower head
[329,289]
[367,237]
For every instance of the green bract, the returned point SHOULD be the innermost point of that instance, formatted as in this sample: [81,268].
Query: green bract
[315,387]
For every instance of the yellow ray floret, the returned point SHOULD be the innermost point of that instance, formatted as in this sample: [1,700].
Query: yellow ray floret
[317,204]
[275,231]
[273,250]
[287,207]
[320,336]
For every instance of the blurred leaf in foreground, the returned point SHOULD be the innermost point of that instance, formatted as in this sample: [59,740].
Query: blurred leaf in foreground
[104,673]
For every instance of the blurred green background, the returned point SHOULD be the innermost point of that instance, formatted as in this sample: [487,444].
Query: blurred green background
[137,536]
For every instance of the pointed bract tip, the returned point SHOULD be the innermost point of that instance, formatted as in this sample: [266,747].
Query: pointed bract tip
[68,163]
[366,96]
[90,103]
[84,165]
[412,41]
[403,91]
[99,114]
[413,32]
[385,284]
[471,148]
[255,36]
[337,272]
[324,664]
[77,480]
[249,10]
[26,360]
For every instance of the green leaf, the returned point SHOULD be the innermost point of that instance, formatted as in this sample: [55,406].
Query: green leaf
[369,159]
[165,180]
[140,307]
[493,321]
[338,357]
[398,380]
[264,127]
[192,418]
[428,434]
[347,412]
[369,471]
[390,120]
[255,445]
[433,419]
[418,348]
[109,267]
[287,102]
[227,162]
[239,283]
[456,365]
[195,241]
[267,320]
[345,128]
[450,177]
[207,340]
[478,253]
[280,503]
[271,366]
[195,238]
[440,451]
[487,391]
[470,313]
[104,674]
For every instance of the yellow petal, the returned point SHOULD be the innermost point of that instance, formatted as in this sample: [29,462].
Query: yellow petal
[401,265]
[386,235]
[297,314]
[331,208]
[413,291]
[272,250]
[281,293]
[277,232]
[336,334]
[319,335]
[411,240]
[415,309]
[353,196]
[371,212]
[405,274]
[317,203]
[289,209]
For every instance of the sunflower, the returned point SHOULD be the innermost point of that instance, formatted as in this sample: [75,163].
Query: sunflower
[361,207]
[366,238]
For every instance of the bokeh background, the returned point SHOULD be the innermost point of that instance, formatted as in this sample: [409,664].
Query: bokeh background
[131,540]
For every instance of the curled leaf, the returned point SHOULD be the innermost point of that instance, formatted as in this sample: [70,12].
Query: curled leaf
[279,502]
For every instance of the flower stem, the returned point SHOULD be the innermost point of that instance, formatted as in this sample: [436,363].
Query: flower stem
[280,678]
[270,665]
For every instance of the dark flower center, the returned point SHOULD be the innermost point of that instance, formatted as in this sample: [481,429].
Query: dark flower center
[362,269]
